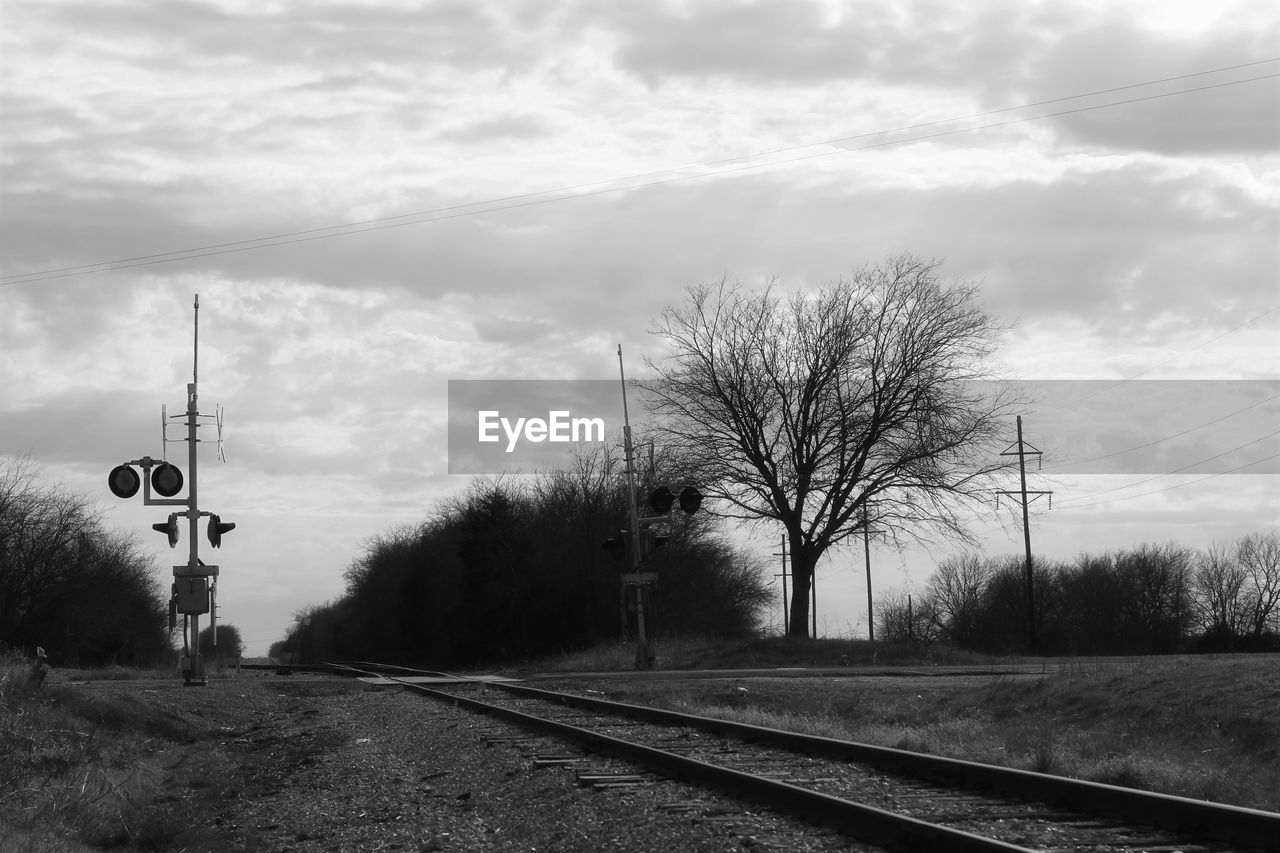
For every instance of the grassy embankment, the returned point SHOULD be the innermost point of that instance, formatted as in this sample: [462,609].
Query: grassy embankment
[1206,727]
[84,769]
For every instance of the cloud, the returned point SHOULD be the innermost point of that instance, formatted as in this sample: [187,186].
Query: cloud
[499,128]
[992,57]
[464,190]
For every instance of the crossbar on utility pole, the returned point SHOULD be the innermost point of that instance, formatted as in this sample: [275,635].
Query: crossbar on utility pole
[1025,496]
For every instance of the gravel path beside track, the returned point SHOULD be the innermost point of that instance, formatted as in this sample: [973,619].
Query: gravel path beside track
[324,764]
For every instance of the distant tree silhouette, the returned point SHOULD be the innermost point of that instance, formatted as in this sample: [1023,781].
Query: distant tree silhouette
[508,570]
[229,646]
[83,593]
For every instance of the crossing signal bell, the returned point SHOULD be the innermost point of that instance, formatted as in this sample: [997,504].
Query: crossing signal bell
[169,528]
[217,527]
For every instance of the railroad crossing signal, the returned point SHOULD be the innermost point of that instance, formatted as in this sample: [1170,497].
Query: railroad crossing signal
[166,479]
[620,545]
[690,500]
[195,584]
[169,528]
[217,527]
[661,499]
[123,481]
[616,545]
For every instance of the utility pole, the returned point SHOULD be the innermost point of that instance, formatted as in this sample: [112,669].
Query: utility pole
[866,547]
[786,616]
[1025,496]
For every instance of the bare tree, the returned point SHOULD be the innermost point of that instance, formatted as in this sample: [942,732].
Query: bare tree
[67,583]
[820,410]
[1218,585]
[900,618]
[1259,556]
[956,593]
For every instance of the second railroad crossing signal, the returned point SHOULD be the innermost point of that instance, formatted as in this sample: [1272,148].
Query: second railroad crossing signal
[661,500]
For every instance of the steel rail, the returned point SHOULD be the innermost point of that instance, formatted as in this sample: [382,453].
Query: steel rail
[1230,823]
[862,821]
[1235,824]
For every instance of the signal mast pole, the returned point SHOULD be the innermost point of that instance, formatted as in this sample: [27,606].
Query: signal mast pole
[194,588]
[644,655]
[193,512]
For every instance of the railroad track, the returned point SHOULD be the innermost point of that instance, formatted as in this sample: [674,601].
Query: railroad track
[893,798]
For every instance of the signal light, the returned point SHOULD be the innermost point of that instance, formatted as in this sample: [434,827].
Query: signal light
[661,499]
[123,481]
[217,527]
[616,545]
[166,479]
[654,541]
[690,500]
[169,528]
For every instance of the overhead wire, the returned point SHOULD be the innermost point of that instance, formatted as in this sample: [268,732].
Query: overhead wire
[1234,470]
[616,185]
[1071,502]
[1271,434]
[1156,441]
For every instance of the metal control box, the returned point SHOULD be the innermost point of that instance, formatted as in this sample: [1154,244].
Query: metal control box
[191,595]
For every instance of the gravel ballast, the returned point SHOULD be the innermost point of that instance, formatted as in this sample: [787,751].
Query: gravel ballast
[310,764]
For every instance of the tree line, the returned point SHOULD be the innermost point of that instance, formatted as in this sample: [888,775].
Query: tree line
[1150,599]
[84,593]
[514,568]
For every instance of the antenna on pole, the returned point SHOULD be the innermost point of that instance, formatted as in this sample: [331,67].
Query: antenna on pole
[195,344]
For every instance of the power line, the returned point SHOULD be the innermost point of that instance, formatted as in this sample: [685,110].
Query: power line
[610,186]
[1167,437]
[1070,501]
[1169,473]
[1181,485]
[1234,470]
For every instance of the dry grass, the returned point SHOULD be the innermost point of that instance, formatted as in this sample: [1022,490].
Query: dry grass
[1203,727]
[97,767]
[717,653]
[97,770]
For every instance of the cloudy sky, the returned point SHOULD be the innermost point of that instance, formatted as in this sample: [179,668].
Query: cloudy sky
[375,198]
